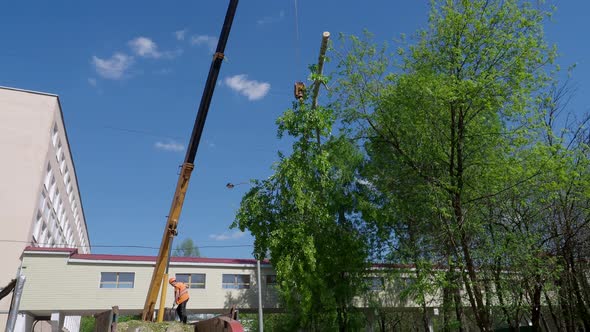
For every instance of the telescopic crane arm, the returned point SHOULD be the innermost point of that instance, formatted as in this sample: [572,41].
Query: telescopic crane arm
[187,168]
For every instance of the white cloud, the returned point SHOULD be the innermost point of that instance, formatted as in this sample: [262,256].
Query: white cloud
[227,236]
[113,68]
[92,81]
[180,34]
[209,41]
[254,90]
[271,19]
[169,146]
[145,47]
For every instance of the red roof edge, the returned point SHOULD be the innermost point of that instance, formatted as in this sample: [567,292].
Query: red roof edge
[134,258]
[203,260]
[72,251]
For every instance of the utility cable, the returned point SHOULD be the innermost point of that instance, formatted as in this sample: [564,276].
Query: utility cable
[141,132]
[297,48]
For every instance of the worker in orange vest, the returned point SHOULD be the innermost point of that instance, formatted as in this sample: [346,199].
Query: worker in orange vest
[180,297]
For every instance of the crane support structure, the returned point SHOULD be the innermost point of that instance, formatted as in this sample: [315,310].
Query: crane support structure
[187,168]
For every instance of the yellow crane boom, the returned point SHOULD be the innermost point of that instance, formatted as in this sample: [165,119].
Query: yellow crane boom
[187,168]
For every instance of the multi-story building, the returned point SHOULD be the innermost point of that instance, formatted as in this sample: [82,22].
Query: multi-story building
[40,203]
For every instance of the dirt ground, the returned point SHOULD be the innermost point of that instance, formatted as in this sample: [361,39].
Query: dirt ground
[139,326]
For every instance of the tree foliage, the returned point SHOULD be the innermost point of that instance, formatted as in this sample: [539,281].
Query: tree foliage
[454,129]
[186,248]
[451,158]
[303,218]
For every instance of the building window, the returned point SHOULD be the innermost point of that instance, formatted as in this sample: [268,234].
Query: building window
[62,163]
[52,188]
[271,280]
[42,201]
[52,222]
[43,233]
[117,279]
[47,180]
[37,228]
[60,206]
[236,281]
[408,281]
[374,283]
[195,280]
[56,198]
[47,211]
[58,152]
[67,179]
[54,135]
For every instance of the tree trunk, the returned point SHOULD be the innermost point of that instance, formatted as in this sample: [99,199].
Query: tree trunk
[447,301]
[458,308]
[564,303]
[341,319]
[580,305]
[556,320]
[545,324]
[425,322]
[474,289]
[536,306]
[472,284]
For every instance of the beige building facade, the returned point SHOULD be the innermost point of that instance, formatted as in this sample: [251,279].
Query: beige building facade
[40,203]
[62,282]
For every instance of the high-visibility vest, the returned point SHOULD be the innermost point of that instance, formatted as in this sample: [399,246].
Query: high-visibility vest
[180,292]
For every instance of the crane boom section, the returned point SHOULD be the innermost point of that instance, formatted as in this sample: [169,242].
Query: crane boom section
[187,167]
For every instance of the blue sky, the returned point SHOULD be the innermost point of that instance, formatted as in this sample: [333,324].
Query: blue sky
[130,76]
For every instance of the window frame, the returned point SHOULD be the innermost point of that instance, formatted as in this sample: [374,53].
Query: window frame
[190,283]
[373,285]
[271,280]
[236,284]
[117,283]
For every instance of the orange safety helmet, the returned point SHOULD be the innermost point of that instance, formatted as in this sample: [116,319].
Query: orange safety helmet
[172,280]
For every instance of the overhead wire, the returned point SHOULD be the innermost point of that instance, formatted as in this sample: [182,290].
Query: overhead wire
[141,132]
[297,48]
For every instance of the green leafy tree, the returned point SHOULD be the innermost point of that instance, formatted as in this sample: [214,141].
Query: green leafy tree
[187,248]
[303,218]
[450,129]
[566,219]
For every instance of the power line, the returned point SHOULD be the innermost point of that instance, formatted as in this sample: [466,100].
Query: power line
[297,48]
[141,132]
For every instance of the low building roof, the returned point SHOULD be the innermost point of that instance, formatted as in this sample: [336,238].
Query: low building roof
[73,254]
